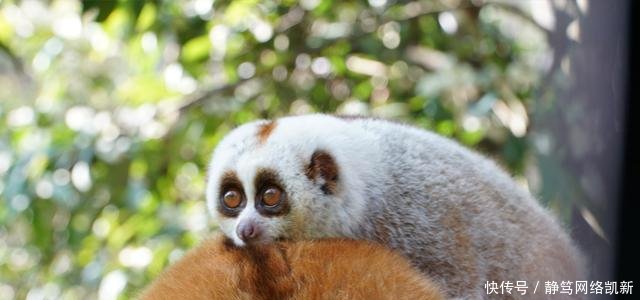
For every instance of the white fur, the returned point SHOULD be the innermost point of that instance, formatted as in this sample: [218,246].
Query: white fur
[288,150]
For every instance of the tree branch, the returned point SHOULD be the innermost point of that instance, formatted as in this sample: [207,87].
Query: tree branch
[199,97]
[15,61]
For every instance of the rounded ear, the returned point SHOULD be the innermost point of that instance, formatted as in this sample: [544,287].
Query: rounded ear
[323,170]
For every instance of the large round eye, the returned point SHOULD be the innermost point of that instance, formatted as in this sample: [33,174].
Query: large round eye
[271,196]
[232,199]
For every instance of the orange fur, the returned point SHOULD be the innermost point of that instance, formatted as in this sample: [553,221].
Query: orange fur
[265,130]
[323,269]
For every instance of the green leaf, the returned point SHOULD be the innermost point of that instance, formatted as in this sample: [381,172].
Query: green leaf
[196,49]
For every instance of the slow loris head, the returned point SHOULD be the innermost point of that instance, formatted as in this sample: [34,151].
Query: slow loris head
[293,178]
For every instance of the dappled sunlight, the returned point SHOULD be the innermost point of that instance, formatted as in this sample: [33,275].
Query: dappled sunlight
[110,110]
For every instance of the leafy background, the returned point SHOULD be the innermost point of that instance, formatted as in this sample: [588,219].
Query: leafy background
[109,111]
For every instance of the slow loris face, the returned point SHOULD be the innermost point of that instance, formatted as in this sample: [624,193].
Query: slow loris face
[258,217]
[285,179]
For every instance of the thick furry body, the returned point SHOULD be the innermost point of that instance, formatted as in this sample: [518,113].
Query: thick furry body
[326,269]
[457,216]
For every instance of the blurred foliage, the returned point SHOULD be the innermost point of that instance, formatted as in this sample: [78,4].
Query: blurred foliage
[110,109]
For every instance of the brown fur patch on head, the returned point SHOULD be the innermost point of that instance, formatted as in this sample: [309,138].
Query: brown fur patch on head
[323,167]
[264,130]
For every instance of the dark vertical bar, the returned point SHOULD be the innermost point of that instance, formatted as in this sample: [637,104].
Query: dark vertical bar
[628,235]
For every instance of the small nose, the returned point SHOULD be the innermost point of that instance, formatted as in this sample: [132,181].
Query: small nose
[248,231]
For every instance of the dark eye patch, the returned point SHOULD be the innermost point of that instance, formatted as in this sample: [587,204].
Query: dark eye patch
[230,182]
[264,180]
